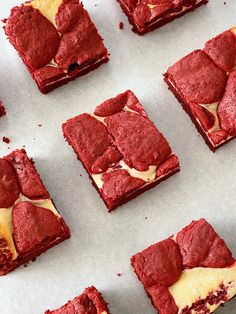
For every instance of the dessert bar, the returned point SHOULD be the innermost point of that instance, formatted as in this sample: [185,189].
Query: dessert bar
[89,302]
[147,15]
[121,149]
[204,82]
[56,40]
[190,272]
[29,221]
[2,110]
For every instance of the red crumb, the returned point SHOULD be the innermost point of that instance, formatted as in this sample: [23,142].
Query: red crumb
[119,274]
[40,124]
[6,139]
[2,110]
[121,25]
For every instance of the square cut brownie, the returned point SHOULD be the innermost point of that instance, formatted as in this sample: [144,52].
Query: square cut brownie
[2,110]
[191,272]
[121,149]
[29,221]
[56,40]
[204,82]
[89,302]
[147,15]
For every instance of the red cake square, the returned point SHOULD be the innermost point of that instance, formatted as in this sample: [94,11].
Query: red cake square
[89,302]
[147,15]
[204,82]
[121,149]
[29,221]
[191,272]
[2,110]
[56,40]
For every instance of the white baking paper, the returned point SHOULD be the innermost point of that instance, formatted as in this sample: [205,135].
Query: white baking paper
[102,243]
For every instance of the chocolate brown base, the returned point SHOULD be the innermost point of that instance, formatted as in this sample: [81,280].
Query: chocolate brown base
[31,256]
[154,25]
[186,108]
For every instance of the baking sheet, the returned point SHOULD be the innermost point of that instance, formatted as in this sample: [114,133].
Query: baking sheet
[102,243]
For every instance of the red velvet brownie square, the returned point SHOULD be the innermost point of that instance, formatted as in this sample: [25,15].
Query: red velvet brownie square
[29,221]
[204,82]
[147,15]
[56,40]
[89,302]
[121,149]
[192,272]
[2,110]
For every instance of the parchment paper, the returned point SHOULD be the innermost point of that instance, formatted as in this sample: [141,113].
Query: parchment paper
[102,243]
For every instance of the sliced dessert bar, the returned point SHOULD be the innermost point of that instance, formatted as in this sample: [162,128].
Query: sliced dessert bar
[204,82]
[147,15]
[191,272]
[89,302]
[121,149]
[2,110]
[56,40]
[29,221]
